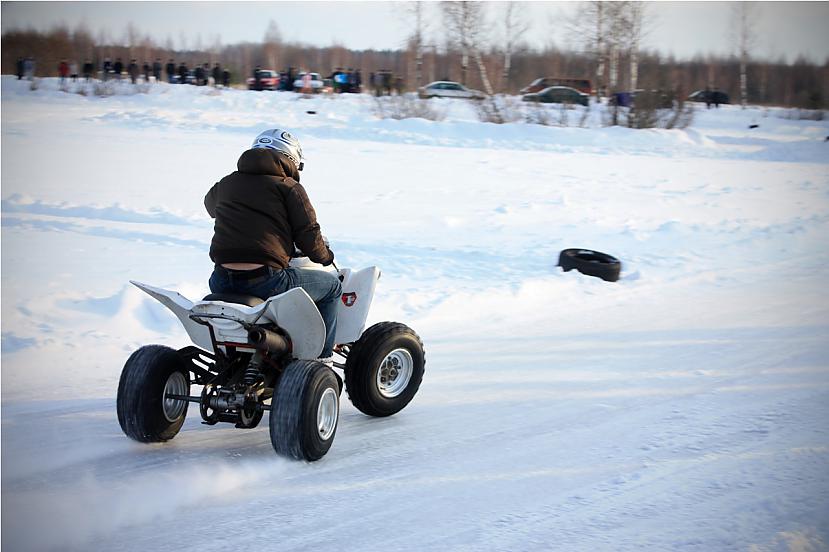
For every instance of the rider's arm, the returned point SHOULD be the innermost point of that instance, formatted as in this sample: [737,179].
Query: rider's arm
[210,201]
[304,226]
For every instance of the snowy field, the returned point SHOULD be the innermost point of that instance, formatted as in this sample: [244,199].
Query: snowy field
[684,407]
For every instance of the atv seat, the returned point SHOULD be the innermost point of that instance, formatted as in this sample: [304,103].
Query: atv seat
[249,300]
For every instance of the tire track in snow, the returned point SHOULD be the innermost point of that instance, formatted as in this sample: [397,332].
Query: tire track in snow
[17,204]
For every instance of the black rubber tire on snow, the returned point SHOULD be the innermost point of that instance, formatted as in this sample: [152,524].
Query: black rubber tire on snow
[141,394]
[591,263]
[294,422]
[365,361]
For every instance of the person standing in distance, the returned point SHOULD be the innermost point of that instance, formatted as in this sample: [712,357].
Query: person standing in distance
[262,214]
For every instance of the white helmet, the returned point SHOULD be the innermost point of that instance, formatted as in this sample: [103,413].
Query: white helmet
[281,141]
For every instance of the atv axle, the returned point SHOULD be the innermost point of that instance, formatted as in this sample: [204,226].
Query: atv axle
[261,406]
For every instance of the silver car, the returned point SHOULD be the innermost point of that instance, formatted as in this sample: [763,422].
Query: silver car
[449,89]
[316,83]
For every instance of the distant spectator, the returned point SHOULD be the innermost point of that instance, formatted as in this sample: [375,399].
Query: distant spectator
[170,68]
[199,74]
[291,79]
[118,68]
[73,71]
[132,70]
[337,78]
[378,83]
[157,69]
[306,83]
[88,69]
[19,68]
[257,78]
[146,70]
[226,78]
[63,70]
[352,81]
[107,68]
[29,68]
[217,75]
[182,73]
[205,74]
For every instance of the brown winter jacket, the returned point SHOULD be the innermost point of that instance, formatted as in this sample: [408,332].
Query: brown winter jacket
[261,211]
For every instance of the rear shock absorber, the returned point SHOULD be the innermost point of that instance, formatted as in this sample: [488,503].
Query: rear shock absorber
[252,372]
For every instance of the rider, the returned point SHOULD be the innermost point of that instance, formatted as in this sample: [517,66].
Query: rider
[261,211]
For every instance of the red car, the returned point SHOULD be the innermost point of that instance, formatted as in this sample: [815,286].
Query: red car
[268,80]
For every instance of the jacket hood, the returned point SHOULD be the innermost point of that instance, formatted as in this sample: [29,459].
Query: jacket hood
[267,161]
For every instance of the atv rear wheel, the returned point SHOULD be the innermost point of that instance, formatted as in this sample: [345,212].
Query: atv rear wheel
[145,412]
[305,410]
[384,369]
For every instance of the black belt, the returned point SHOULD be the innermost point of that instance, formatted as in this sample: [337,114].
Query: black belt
[251,276]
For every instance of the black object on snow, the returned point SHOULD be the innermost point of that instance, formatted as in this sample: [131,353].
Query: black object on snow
[591,263]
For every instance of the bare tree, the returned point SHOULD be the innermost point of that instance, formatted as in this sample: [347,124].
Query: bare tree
[589,27]
[465,22]
[272,45]
[616,38]
[417,11]
[637,19]
[744,21]
[515,25]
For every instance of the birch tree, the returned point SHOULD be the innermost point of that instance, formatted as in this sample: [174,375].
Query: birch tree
[417,12]
[616,38]
[589,27]
[636,17]
[744,21]
[465,23]
[515,25]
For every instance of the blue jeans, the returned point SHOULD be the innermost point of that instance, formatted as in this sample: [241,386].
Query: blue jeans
[324,289]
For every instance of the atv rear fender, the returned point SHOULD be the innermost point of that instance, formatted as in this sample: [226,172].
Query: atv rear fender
[293,311]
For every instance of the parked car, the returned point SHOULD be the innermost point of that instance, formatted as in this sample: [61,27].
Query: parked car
[268,80]
[558,94]
[716,97]
[582,85]
[449,89]
[317,82]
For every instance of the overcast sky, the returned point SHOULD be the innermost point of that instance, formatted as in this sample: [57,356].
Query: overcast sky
[682,28]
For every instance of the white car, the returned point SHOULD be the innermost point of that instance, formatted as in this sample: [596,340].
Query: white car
[449,89]
[315,85]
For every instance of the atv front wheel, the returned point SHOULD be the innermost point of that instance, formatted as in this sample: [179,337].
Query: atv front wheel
[304,410]
[384,369]
[145,411]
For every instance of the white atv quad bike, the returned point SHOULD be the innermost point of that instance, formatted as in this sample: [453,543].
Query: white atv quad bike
[253,355]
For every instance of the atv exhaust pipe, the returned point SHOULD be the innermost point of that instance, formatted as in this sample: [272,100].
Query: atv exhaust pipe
[269,341]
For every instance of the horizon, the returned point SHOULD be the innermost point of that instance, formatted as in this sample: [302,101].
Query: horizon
[684,30]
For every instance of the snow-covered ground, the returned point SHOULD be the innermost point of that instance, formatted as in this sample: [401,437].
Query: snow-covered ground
[685,407]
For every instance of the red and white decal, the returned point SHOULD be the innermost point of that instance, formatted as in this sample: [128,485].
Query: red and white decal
[349,299]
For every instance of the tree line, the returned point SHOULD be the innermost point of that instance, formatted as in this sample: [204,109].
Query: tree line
[606,56]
